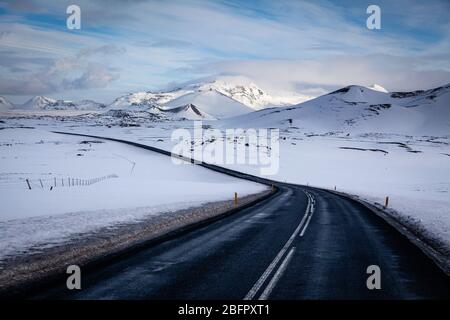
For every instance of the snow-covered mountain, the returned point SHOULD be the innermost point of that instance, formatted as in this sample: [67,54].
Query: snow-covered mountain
[136,106]
[37,103]
[213,103]
[5,104]
[142,100]
[356,109]
[245,91]
[46,103]
[208,98]
[351,109]
[157,113]
[189,111]
[137,117]
[89,105]
[219,97]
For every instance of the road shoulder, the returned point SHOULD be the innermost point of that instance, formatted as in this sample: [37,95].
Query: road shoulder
[22,274]
[432,247]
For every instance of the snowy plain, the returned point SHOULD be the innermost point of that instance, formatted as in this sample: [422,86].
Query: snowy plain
[144,183]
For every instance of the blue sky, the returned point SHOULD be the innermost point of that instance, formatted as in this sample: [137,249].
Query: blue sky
[133,45]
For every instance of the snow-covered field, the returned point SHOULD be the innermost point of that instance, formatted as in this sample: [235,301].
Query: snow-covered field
[144,183]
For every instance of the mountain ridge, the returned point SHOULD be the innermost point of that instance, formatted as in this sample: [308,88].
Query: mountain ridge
[5,104]
[357,109]
[216,99]
[46,103]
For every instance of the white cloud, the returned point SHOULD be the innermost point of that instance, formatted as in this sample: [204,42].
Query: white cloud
[76,72]
[393,72]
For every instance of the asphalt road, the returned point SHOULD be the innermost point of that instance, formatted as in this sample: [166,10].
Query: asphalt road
[301,243]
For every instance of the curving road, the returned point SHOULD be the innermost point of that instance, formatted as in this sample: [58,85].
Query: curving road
[301,243]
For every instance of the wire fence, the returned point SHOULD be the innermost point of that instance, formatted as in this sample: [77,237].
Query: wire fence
[52,183]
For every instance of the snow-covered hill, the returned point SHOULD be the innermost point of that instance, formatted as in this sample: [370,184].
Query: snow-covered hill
[213,103]
[5,104]
[245,91]
[46,103]
[189,111]
[356,109]
[142,100]
[219,97]
[89,105]
[136,117]
[37,103]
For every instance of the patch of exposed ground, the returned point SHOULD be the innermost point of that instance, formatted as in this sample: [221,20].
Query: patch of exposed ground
[364,149]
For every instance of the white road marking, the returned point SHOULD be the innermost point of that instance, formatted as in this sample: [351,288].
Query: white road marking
[306,226]
[277,276]
[257,286]
[310,214]
[309,218]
